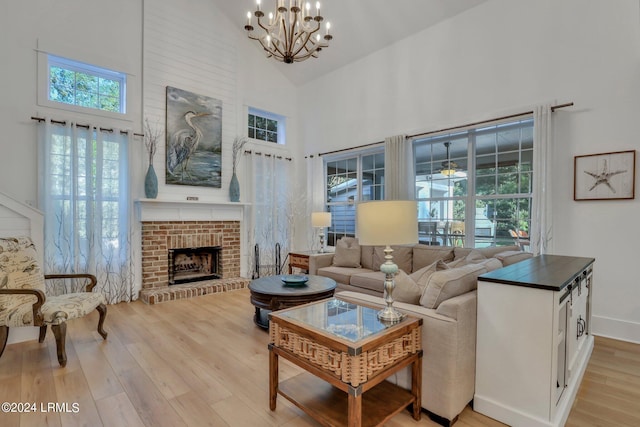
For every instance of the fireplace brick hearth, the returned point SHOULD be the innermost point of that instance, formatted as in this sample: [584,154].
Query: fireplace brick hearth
[160,236]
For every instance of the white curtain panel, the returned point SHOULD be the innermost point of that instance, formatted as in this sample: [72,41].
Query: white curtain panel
[84,193]
[541,235]
[316,186]
[398,169]
[272,211]
[316,189]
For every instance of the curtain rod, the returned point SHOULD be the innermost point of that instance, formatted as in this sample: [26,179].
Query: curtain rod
[482,122]
[63,122]
[511,116]
[257,153]
[371,144]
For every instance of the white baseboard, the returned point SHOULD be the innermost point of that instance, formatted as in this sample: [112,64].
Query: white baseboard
[21,334]
[615,328]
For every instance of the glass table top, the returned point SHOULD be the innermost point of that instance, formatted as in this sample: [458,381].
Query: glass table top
[340,318]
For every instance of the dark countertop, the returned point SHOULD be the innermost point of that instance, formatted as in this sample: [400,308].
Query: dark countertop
[551,272]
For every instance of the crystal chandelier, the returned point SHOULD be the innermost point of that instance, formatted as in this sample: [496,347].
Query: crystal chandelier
[292,34]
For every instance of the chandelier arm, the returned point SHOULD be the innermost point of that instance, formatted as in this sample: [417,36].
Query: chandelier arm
[308,37]
[285,38]
[292,33]
[304,46]
[266,28]
[274,48]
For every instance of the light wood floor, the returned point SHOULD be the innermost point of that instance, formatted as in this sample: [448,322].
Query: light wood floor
[202,362]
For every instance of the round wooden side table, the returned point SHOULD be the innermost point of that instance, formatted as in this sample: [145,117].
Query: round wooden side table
[271,293]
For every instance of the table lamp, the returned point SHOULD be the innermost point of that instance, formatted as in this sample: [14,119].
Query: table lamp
[321,220]
[386,223]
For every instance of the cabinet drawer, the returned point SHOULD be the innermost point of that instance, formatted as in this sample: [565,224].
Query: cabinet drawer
[299,261]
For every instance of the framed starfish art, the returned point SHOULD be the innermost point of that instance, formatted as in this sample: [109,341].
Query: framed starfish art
[606,176]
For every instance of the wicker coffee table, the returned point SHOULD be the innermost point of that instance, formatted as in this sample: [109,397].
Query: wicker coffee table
[271,293]
[347,353]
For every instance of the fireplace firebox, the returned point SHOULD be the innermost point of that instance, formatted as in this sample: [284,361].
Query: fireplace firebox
[194,264]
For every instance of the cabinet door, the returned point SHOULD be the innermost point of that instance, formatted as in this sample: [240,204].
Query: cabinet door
[577,321]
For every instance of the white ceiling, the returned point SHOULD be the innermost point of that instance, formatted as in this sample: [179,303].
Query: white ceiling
[358,27]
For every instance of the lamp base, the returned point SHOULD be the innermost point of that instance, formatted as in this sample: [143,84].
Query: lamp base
[389,268]
[321,250]
[390,315]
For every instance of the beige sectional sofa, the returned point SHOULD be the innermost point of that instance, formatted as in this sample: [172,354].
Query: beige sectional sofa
[437,284]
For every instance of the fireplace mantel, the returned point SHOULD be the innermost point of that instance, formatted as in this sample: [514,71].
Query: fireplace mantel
[187,210]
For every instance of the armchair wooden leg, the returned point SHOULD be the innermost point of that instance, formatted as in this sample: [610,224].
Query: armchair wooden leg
[4,335]
[60,332]
[43,333]
[102,309]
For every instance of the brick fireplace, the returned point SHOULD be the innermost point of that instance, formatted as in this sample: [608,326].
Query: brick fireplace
[183,229]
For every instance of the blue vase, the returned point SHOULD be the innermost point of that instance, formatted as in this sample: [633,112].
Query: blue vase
[151,183]
[234,189]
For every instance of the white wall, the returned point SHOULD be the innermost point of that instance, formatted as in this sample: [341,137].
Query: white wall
[105,34]
[503,57]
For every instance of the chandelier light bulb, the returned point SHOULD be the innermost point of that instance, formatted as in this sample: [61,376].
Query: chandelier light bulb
[257,4]
[328,27]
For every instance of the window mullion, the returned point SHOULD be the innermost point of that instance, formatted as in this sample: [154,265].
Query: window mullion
[470,207]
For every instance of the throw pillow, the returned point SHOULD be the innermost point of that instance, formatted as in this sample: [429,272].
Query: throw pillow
[473,257]
[406,290]
[410,287]
[422,276]
[511,257]
[347,253]
[446,284]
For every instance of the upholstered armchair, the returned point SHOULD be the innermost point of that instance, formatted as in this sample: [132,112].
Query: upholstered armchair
[23,301]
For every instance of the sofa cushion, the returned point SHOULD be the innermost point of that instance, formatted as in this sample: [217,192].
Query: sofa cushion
[366,258]
[367,279]
[340,274]
[402,257]
[424,255]
[446,284]
[511,257]
[488,252]
[347,253]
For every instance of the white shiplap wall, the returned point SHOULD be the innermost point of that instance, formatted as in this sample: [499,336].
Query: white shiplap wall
[18,219]
[187,45]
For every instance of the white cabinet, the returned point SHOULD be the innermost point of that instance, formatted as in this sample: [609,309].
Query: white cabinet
[533,341]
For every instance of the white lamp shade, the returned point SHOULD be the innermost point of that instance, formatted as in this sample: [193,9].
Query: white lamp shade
[387,222]
[321,219]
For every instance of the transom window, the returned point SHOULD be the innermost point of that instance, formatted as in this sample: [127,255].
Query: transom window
[75,83]
[474,187]
[265,126]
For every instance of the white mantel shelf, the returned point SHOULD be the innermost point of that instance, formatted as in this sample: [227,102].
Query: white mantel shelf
[189,210]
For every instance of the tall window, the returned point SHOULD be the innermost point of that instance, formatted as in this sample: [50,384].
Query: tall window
[349,180]
[474,187]
[74,83]
[85,197]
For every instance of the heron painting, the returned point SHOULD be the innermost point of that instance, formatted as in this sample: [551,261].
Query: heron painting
[194,139]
